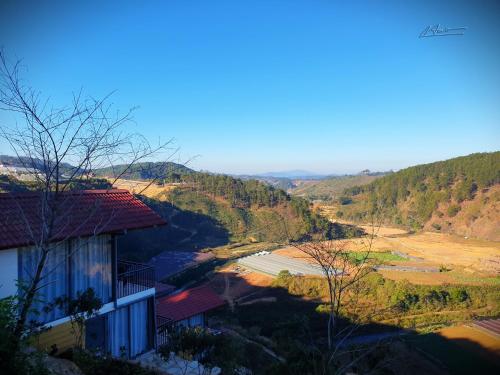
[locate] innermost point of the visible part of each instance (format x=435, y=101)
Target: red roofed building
x=82, y=254
x=81, y=213
x=187, y=308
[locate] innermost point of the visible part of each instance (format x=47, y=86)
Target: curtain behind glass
x=54, y=281
x=91, y=266
x=138, y=328
x=118, y=332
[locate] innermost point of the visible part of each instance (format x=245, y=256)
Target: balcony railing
x=163, y=329
x=133, y=278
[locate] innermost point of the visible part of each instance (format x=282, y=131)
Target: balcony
x=133, y=278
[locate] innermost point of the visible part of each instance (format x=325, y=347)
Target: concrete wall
x=8, y=272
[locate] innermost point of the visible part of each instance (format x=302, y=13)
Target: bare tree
x=62, y=147
x=344, y=263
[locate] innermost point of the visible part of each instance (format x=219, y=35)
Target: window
x=130, y=329
x=91, y=266
x=71, y=266
x=54, y=282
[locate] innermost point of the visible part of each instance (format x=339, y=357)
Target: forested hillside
x=145, y=171
x=331, y=188
x=458, y=195
x=206, y=210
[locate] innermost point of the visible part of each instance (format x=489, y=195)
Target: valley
x=242, y=239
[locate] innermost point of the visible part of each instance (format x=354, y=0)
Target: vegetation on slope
x=208, y=210
x=11, y=184
x=166, y=171
x=332, y=187
x=402, y=303
x=415, y=195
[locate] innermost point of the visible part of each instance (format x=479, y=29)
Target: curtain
x=129, y=326
x=118, y=322
x=138, y=328
x=91, y=266
x=54, y=281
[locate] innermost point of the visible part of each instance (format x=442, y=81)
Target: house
x=187, y=308
x=83, y=255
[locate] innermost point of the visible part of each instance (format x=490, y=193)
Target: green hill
x=459, y=195
x=145, y=171
x=207, y=210
x=330, y=188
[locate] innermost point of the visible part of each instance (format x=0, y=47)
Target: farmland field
x=462, y=261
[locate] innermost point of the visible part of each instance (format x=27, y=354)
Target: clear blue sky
x=254, y=86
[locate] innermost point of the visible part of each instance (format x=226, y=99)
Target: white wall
x=8, y=272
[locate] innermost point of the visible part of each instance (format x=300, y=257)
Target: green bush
x=283, y=279
x=453, y=210
x=14, y=356
x=92, y=364
x=224, y=351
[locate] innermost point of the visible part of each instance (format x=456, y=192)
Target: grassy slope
x=330, y=188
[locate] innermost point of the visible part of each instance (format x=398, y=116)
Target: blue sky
x=254, y=86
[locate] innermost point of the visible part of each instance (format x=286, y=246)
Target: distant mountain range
x=294, y=174
x=298, y=182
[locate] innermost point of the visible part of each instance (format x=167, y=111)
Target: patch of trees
x=238, y=192
x=169, y=171
x=401, y=298
x=255, y=194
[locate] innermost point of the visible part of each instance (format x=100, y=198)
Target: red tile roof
x=79, y=213
x=188, y=303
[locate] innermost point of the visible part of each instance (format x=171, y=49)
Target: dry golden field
x=469, y=333
x=136, y=187
x=464, y=261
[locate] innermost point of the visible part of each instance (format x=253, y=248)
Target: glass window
x=130, y=329
x=91, y=266
x=54, y=282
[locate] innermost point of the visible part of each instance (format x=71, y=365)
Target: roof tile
x=188, y=303
x=78, y=214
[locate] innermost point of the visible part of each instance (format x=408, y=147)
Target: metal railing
x=163, y=327
x=133, y=278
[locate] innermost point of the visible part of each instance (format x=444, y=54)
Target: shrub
x=14, y=358
x=345, y=200
x=453, y=210
x=436, y=226
x=91, y=364
x=211, y=350
x=283, y=279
